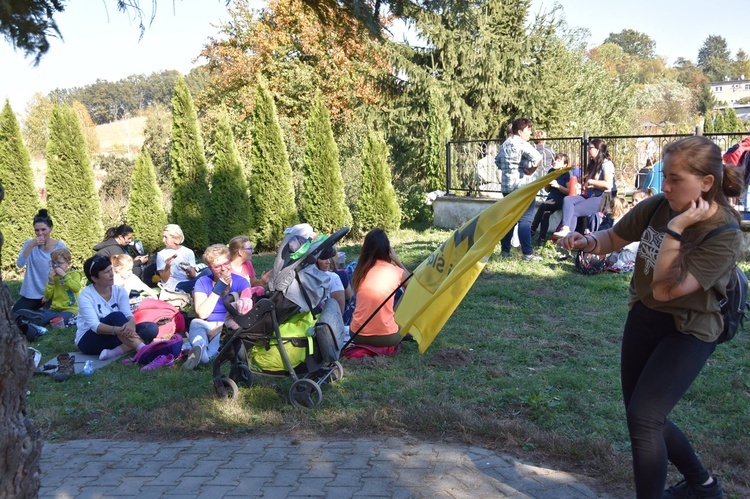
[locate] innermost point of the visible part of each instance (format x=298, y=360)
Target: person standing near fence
x=517, y=161
x=548, y=155
x=674, y=321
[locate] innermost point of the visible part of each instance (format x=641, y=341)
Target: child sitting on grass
x=122, y=265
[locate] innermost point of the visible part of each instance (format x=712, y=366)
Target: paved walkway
x=278, y=467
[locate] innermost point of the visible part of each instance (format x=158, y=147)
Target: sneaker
x=30, y=330
x=65, y=367
x=531, y=258
x=683, y=490
x=505, y=254
x=562, y=232
x=193, y=359
x=160, y=361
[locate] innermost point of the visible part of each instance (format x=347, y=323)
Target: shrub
x=21, y=202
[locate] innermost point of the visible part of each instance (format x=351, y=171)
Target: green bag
x=296, y=341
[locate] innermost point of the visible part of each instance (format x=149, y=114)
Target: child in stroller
x=286, y=333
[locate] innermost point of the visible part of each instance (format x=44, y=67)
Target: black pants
x=545, y=210
x=658, y=365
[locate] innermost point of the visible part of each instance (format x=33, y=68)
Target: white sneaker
x=562, y=232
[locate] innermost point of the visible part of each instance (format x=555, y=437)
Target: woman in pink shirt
x=374, y=279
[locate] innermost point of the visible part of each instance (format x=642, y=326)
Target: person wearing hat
x=337, y=291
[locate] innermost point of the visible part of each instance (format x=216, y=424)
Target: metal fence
x=471, y=170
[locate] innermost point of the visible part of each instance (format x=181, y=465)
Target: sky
x=102, y=43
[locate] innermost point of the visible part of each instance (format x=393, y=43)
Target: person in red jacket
x=735, y=153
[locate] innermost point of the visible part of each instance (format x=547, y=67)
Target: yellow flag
x=443, y=279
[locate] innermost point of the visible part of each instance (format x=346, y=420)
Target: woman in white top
x=598, y=179
x=106, y=326
x=176, y=263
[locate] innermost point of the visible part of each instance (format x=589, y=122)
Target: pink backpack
x=165, y=315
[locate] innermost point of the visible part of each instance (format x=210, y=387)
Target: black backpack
x=734, y=305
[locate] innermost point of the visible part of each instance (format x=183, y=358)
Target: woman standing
x=106, y=326
x=35, y=256
x=674, y=319
x=373, y=281
x=598, y=179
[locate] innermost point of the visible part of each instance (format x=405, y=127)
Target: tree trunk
x=20, y=442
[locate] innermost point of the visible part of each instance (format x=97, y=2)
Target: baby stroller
x=283, y=335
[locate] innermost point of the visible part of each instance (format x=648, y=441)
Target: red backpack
x=165, y=315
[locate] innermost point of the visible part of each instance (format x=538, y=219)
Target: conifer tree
x=438, y=133
x=146, y=205
x=322, y=200
x=708, y=122
x=377, y=205
x=189, y=171
x=732, y=122
x=720, y=125
x=72, y=200
x=271, y=188
x=229, y=204
x=21, y=197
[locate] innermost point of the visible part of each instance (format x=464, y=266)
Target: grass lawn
x=528, y=364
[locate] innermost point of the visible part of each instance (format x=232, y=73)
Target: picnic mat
x=81, y=359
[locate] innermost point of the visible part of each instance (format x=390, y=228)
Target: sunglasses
x=97, y=260
x=248, y=248
x=57, y=263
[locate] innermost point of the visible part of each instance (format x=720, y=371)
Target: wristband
x=675, y=235
x=113, y=331
x=219, y=287
x=596, y=243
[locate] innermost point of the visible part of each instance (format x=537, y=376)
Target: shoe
x=531, y=258
x=65, y=367
x=160, y=361
x=505, y=254
x=683, y=490
x=30, y=330
x=562, y=232
x=193, y=359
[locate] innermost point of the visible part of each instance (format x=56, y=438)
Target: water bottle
x=88, y=368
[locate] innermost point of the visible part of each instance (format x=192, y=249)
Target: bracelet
x=596, y=243
x=219, y=287
x=113, y=331
x=675, y=235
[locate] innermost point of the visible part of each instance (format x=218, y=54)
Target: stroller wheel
x=242, y=375
x=337, y=373
x=225, y=388
x=305, y=393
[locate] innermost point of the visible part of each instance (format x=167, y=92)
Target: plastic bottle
x=88, y=368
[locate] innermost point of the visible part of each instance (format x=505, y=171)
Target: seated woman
x=337, y=291
x=208, y=299
x=176, y=263
x=598, y=179
x=106, y=326
x=374, y=279
x=557, y=190
x=36, y=256
x=122, y=265
x=115, y=242
x=241, y=253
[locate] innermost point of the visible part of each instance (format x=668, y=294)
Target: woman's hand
x=128, y=328
x=266, y=276
x=573, y=241
x=698, y=210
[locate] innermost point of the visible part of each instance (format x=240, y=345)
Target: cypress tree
x=189, y=171
x=72, y=200
x=720, y=123
x=438, y=133
x=708, y=123
x=322, y=200
x=271, y=188
x=377, y=205
x=732, y=121
x=229, y=204
x=21, y=197
x=146, y=203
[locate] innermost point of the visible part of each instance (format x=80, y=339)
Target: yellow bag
x=270, y=359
